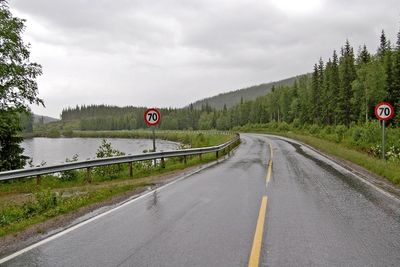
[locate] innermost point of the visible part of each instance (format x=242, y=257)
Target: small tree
x=106, y=150
x=18, y=87
x=11, y=153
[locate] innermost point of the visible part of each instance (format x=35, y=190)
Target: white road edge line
x=72, y=228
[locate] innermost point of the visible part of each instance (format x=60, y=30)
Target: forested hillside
x=341, y=91
x=234, y=97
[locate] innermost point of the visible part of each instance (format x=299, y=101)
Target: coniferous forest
x=341, y=90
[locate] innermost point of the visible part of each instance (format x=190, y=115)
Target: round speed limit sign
x=384, y=111
x=152, y=116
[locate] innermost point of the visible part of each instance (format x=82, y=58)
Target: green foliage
x=106, y=150
x=17, y=73
x=44, y=200
x=11, y=153
x=72, y=174
x=18, y=87
x=53, y=133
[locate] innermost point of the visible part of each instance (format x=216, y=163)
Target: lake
x=56, y=150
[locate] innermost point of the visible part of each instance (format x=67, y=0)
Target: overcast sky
x=169, y=53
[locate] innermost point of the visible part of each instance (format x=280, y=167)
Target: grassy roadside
x=388, y=169
x=24, y=203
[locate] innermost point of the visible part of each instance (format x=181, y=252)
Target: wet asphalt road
x=317, y=215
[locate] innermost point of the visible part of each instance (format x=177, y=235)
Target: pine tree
x=363, y=56
x=334, y=87
x=395, y=86
x=383, y=46
x=316, y=94
x=347, y=76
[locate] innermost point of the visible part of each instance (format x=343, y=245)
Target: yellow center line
x=271, y=150
x=269, y=172
x=257, y=242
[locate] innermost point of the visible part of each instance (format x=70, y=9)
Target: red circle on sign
x=381, y=111
x=152, y=116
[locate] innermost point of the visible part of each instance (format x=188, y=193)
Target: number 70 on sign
x=152, y=116
x=384, y=111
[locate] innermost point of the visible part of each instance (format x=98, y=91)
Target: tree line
x=341, y=91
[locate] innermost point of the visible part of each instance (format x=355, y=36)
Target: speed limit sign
x=152, y=116
x=384, y=111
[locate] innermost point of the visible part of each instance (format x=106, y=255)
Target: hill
x=46, y=119
x=234, y=97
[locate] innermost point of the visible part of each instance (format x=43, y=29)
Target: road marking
x=269, y=172
x=257, y=242
x=271, y=150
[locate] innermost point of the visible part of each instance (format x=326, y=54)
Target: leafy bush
x=314, y=129
x=283, y=126
x=296, y=123
x=70, y=175
x=44, y=201
x=340, y=131
x=106, y=150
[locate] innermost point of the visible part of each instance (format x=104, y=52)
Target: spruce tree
x=347, y=76
x=363, y=56
x=316, y=95
x=334, y=87
x=395, y=86
x=383, y=46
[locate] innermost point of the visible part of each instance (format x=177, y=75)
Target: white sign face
x=152, y=116
x=384, y=111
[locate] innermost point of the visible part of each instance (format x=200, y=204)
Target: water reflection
x=153, y=200
x=56, y=150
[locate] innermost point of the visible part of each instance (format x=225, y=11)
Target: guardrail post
x=130, y=170
x=162, y=163
x=216, y=154
x=89, y=175
x=200, y=157
x=38, y=179
x=184, y=160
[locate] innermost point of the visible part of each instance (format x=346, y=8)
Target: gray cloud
x=172, y=52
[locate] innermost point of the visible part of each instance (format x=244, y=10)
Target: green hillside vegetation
x=232, y=98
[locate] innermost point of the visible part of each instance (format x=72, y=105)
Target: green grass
x=14, y=218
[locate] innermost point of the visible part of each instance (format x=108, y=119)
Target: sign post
x=152, y=117
x=384, y=111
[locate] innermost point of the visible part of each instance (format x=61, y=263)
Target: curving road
x=305, y=211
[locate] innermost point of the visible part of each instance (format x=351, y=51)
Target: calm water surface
x=56, y=150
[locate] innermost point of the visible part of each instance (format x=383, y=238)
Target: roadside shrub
x=357, y=135
x=314, y=129
x=46, y=199
x=296, y=123
x=9, y=215
x=283, y=126
x=106, y=150
x=340, y=131
x=372, y=133
x=70, y=175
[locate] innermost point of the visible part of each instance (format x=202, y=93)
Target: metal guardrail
x=38, y=171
